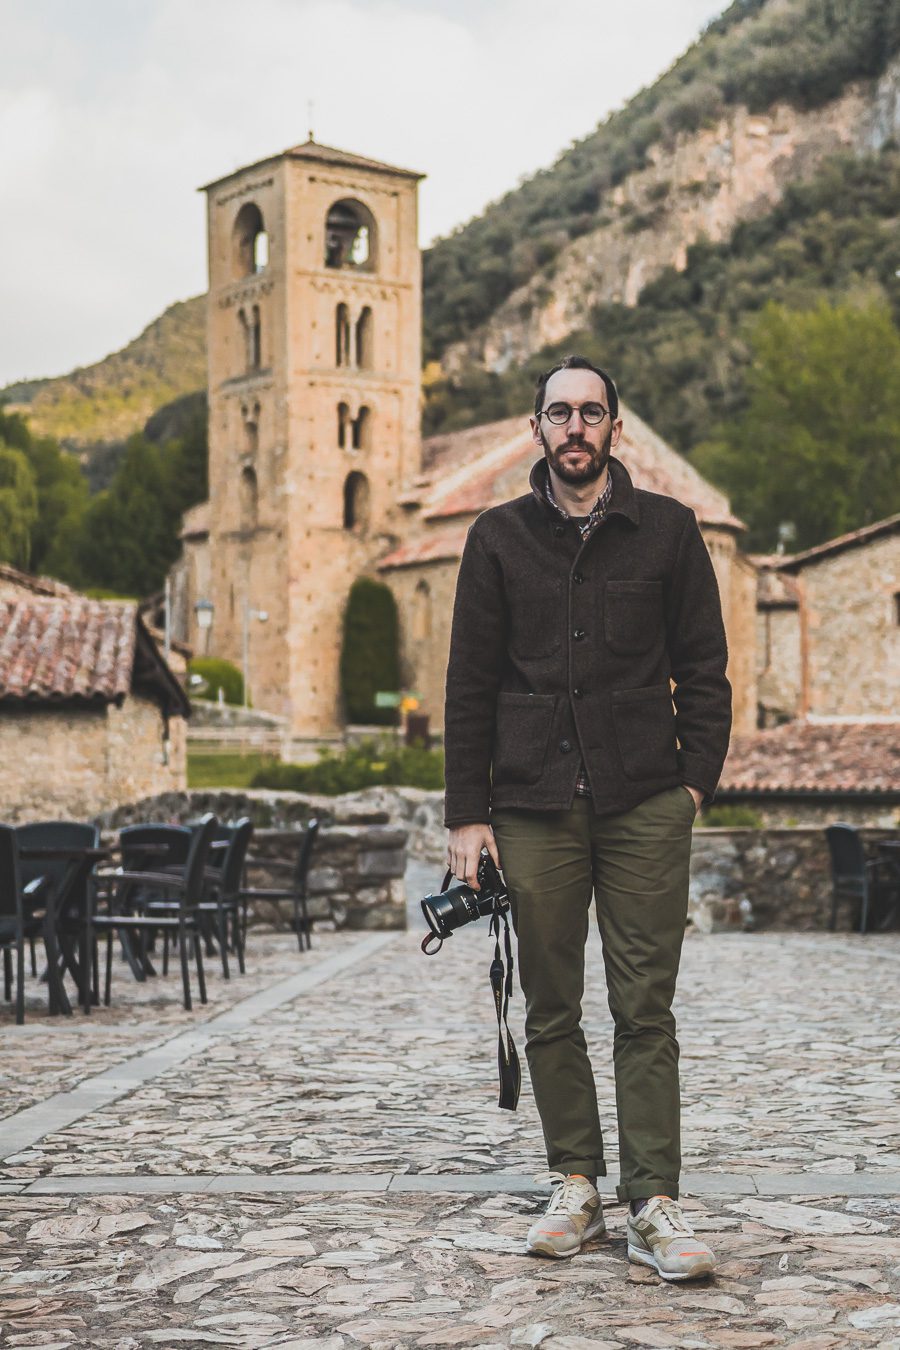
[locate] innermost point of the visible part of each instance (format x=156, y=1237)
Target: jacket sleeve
x=478, y=639
x=699, y=655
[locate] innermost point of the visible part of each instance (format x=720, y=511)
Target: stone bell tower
x=314, y=321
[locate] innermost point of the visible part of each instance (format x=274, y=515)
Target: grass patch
x=208, y=770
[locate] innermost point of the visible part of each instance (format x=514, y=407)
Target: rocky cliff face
x=702, y=188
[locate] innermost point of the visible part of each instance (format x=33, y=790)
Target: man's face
x=576, y=452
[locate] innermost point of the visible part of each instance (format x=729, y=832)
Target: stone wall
x=779, y=879
x=75, y=762
x=357, y=867
x=779, y=662
x=775, y=877
x=851, y=631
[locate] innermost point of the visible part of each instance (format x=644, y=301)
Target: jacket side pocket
x=645, y=731
x=524, y=723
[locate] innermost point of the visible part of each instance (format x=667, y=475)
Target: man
x=578, y=606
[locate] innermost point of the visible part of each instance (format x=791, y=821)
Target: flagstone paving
x=379, y=1075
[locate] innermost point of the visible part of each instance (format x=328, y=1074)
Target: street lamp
x=262, y=616
x=203, y=611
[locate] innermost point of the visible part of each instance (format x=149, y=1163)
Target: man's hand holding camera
x=464, y=851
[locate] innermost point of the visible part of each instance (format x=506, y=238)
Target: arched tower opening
x=249, y=499
x=342, y=335
x=365, y=356
x=422, y=617
x=351, y=236
x=362, y=430
x=250, y=243
x=356, y=502
x=343, y=426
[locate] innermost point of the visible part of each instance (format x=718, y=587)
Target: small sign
x=387, y=699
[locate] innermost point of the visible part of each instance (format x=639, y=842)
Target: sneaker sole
x=645, y=1258
x=544, y=1249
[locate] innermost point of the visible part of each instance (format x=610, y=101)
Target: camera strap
x=501, y=984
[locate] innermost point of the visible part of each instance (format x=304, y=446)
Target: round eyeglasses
x=592, y=414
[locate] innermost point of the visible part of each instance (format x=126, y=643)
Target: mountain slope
x=686, y=157
x=113, y=398
x=680, y=354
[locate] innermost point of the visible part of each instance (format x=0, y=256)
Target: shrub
x=370, y=653
x=219, y=674
x=371, y=763
x=732, y=818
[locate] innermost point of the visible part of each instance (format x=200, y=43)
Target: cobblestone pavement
x=316, y=1159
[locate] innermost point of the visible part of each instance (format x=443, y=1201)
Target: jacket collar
x=624, y=497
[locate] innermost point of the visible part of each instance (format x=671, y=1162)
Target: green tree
x=128, y=538
x=370, y=651
x=818, y=445
x=18, y=506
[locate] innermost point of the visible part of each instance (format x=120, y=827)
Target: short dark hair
x=578, y=363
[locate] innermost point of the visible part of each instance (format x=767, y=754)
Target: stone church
x=317, y=470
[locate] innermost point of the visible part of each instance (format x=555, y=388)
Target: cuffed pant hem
x=643, y=1190
x=582, y=1167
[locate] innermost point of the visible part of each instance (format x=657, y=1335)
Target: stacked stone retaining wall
x=775, y=877
x=356, y=872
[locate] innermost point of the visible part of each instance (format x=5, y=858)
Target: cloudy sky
x=113, y=111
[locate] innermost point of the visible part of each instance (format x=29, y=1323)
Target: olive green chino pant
x=636, y=864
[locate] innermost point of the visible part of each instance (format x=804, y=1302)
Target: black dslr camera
x=461, y=904
x=453, y=907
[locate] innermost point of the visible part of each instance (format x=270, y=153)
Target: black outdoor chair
x=853, y=876
x=296, y=891
x=221, y=901
x=64, y=889
x=182, y=920
x=149, y=848
x=19, y=921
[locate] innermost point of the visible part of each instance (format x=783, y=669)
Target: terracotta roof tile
x=483, y=466
x=796, y=561
x=66, y=649
x=14, y=581
x=436, y=546
x=327, y=154
x=811, y=756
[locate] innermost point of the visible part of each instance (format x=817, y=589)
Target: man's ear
x=536, y=433
x=616, y=433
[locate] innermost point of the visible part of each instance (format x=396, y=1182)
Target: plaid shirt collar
x=595, y=515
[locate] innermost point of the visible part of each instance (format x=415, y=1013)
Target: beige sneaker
x=574, y=1214
x=660, y=1236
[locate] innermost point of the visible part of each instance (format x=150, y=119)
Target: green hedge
x=371, y=763
x=731, y=818
x=219, y=674
x=370, y=652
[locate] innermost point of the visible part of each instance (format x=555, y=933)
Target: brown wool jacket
x=563, y=647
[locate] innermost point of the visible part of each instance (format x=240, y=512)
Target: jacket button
x=565, y=746
x=579, y=635
x=578, y=578
x=578, y=693
x=557, y=530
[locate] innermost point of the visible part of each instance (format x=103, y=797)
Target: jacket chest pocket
x=537, y=606
x=633, y=618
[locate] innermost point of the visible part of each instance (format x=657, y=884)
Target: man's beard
x=589, y=472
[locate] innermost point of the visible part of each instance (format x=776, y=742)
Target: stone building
x=828, y=678
x=829, y=629
x=467, y=471
x=90, y=713
x=317, y=471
